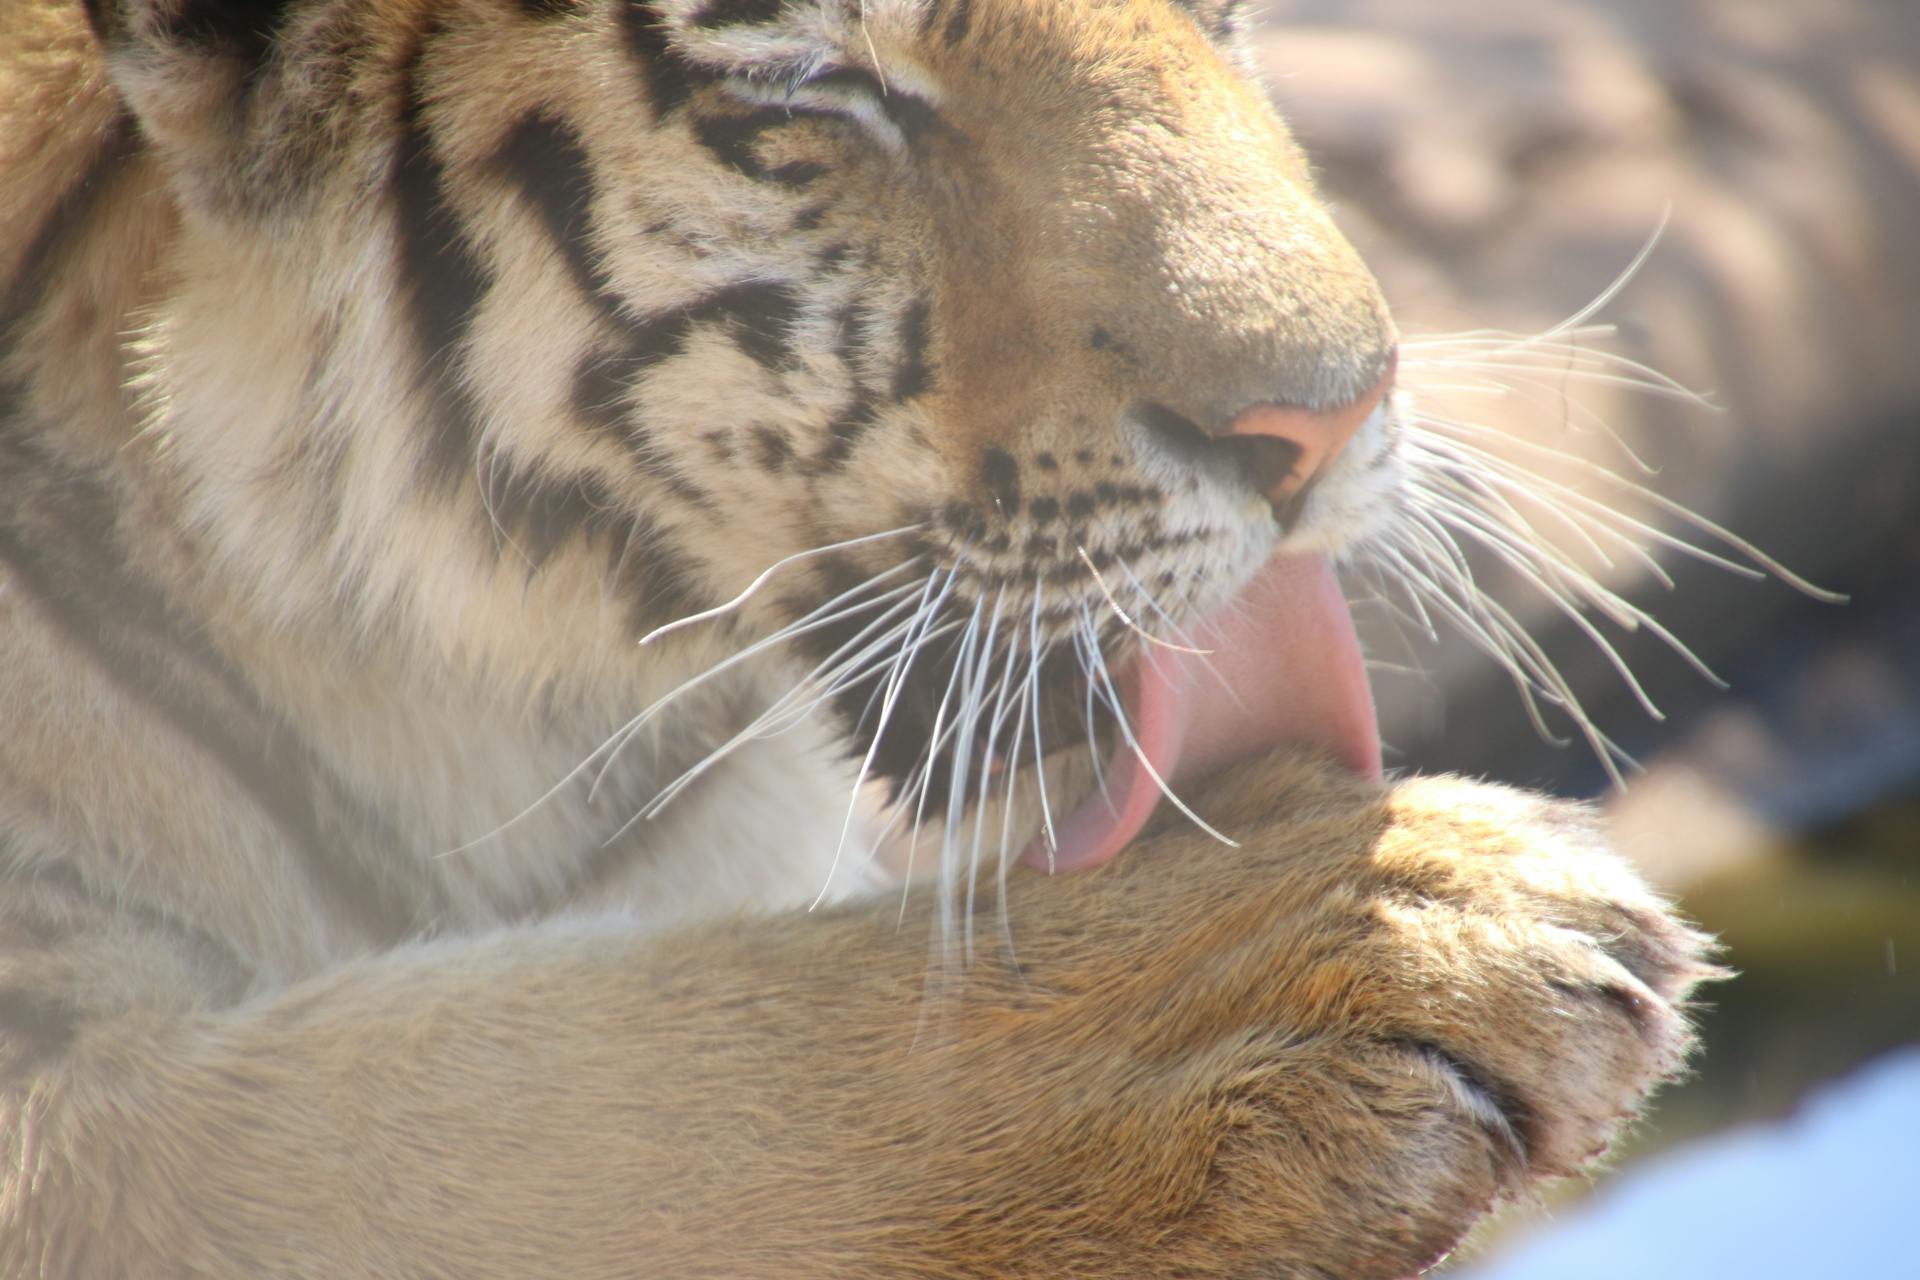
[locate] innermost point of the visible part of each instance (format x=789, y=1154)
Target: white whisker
x=794, y=706
x=897, y=673
x=1612, y=291
x=1470, y=613
x=974, y=709
x=1565, y=583
x=1039, y=753
x=956, y=776
x=1166, y=619
x=1495, y=631
x=921, y=780
x=1468, y=520
x=1119, y=710
x=1131, y=625
x=1762, y=564
x=807, y=624
x=1028, y=693
x=766, y=574
x=617, y=740
x=1086, y=641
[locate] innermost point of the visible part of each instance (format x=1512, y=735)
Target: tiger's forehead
x=791, y=40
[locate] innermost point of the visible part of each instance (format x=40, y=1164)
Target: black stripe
x=539, y=513
x=850, y=332
x=600, y=387
x=1001, y=476
x=602, y=397
x=912, y=114
x=772, y=448
x=267, y=771
x=83, y=515
x=669, y=77
x=843, y=433
x=760, y=315
x=658, y=337
x=122, y=624
x=542, y=10
x=652, y=573
x=102, y=16
x=245, y=29
x=727, y=13
x=731, y=139
x=855, y=79
x=959, y=21
x=212, y=953
x=720, y=444
x=913, y=375
x=446, y=282
x=964, y=521
x=798, y=173
x=915, y=116
x=549, y=162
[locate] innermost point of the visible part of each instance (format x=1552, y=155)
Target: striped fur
x=378, y=380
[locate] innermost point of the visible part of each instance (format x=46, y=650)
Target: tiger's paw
x=1324, y=1053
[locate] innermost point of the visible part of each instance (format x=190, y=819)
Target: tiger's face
x=1044, y=286
x=1012, y=273
x=1012, y=329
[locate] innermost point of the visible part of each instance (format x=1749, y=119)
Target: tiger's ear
x=1222, y=20
x=185, y=69
x=242, y=30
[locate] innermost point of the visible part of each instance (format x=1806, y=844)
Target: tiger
x=666, y=638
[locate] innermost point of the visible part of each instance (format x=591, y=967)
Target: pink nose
x=1306, y=441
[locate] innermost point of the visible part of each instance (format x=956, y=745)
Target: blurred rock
x=1500, y=164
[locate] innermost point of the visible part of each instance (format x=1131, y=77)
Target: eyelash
x=895, y=117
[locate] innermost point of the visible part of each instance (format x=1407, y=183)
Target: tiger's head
x=1048, y=288
x=1011, y=333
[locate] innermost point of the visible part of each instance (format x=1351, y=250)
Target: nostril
x=1180, y=435
x=1290, y=445
x=1267, y=462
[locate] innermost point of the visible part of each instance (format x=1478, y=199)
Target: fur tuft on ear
x=1222, y=20
x=235, y=29
x=191, y=73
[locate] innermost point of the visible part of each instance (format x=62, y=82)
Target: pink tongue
x=1286, y=668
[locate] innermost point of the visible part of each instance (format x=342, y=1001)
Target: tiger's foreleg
x=1323, y=1053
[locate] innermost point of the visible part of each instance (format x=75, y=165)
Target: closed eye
x=911, y=114
x=896, y=114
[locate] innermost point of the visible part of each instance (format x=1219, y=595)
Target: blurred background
x=1500, y=164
